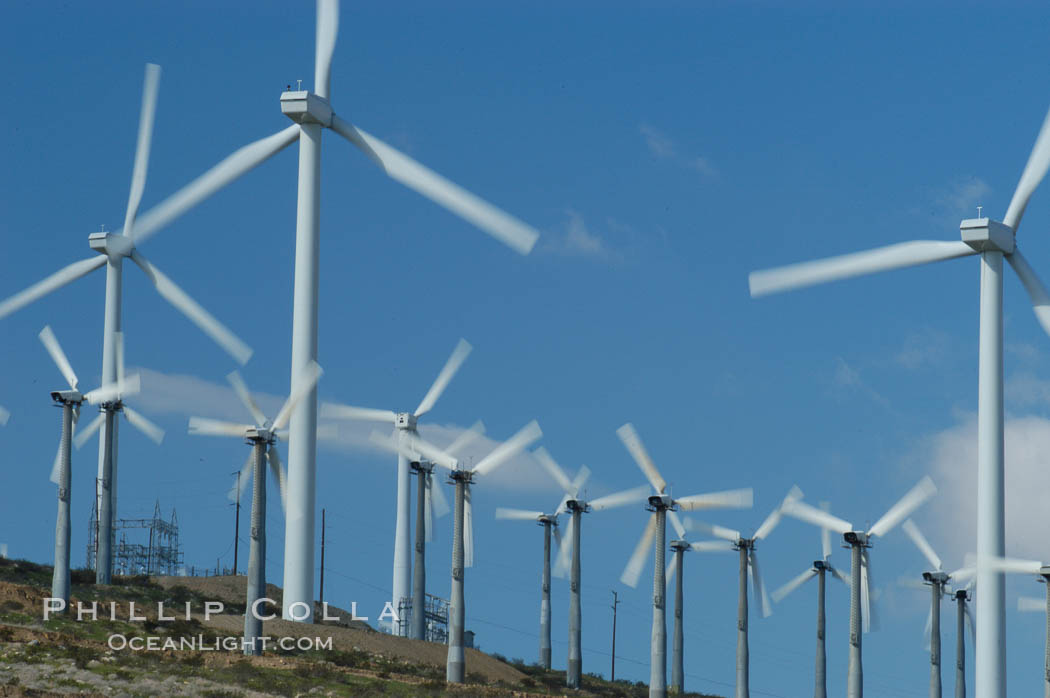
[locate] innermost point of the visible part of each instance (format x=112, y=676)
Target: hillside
x=62, y=656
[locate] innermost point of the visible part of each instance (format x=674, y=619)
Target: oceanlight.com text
x=154, y=643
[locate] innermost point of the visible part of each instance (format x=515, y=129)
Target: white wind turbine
x=861, y=618
x=262, y=435
x=663, y=507
x=405, y=424
x=819, y=570
x=549, y=521
x=733, y=540
x=463, y=529
x=312, y=112
x=70, y=401
x=112, y=249
x=568, y=562
x=110, y=400
x=993, y=241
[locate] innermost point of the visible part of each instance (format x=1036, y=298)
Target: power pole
x=237, y=523
x=322, y=554
x=612, y=672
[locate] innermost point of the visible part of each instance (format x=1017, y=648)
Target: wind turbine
x=110, y=399
x=819, y=570
x=430, y=502
x=463, y=530
x=405, y=424
x=663, y=506
x=262, y=436
x=860, y=564
x=733, y=540
x=963, y=616
x=70, y=401
x=549, y=521
x=112, y=249
x=993, y=241
x=568, y=561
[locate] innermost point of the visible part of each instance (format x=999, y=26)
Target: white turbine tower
x=993, y=241
x=1027, y=603
x=405, y=424
x=819, y=570
x=653, y=538
x=262, y=435
x=463, y=529
x=861, y=619
x=549, y=521
x=70, y=401
x=112, y=249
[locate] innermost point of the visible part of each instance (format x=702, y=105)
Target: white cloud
x=927, y=347
x=952, y=455
x=959, y=199
x=848, y=378
x=662, y=146
x=579, y=241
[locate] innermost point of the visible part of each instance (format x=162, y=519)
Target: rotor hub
x=111, y=244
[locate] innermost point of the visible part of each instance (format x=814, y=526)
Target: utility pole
x=612, y=671
x=322, y=554
x=237, y=523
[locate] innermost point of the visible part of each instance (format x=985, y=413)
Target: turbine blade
x=431, y=452
x=633, y=570
x=898, y=256
x=4, y=416
x=391, y=443
x=780, y=593
x=428, y=507
x=150, y=86
x=1010, y=565
x=580, y=480
x=1034, y=171
x=710, y=530
x=713, y=546
x=555, y=470
x=561, y=565
x=303, y=384
x=466, y=437
x=241, y=388
x=1031, y=603
x=330, y=410
x=151, y=430
x=870, y=622
x=327, y=29
x=634, y=446
x=761, y=597
x=60, y=278
x=922, y=544
x=274, y=459
x=963, y=574
x=676, y=523
x=50, y=341
x=927, y=632
x=448, y=371
x=729, y=499
x=825, y=535
x=439, y=503
x=509, y=448
x=202, y=426
x=87, y=432
x=243, y=478
x=776, y=515
x=844, y=578
x=517, y=514
x=904, y=507
x=468, y=529
x=505, y=228
x=669, y=570
x=810, y=514
x=618, y=499
x=196, y=314
x=1034, y=286
x=236, y=164
x=911, y=583
x=56, y=467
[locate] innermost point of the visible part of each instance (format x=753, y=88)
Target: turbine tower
x=405, y=424
x=663, y=506
x=861, y=619
x=963, y=616
x=112, y=249
x=819, y=570
x=993, y=241
x=70, y=401
x=463, y=529
x=1027, y=603
x=549, y=521
x=262, y=436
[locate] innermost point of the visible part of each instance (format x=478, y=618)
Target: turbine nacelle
x=680, y=545
x=545, y=519
x=63, y=397
x=744, y=544
x=305, y=107
x=936, y=577
x=858, y=538
x=260, y=435
x=821, y=565
x=577, y=505
x=661, y=501
x=984, y=235
x=962, y=595
x=111, y=244
x=405, y=420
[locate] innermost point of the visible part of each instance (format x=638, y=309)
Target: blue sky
x=664, y=152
